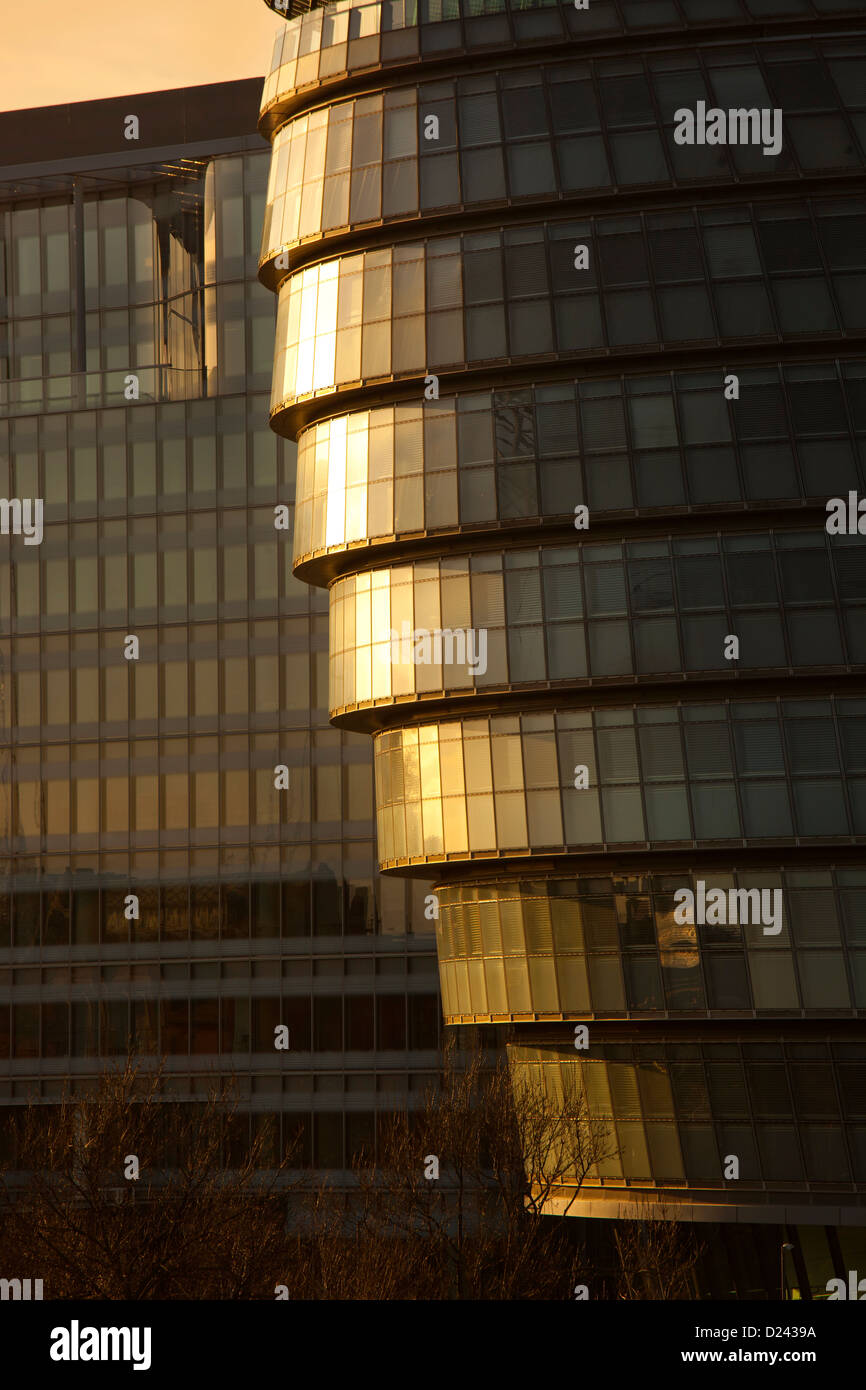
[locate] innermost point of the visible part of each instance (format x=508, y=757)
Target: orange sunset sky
x=106, y=48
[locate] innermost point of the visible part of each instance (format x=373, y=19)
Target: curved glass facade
x=329, y=45
x=598, y=612
x=648, y=444
x=497, y=297
x=791, y=1113
x=601, y=947
x=749, y=772
x=541, y=133
x=573, y=384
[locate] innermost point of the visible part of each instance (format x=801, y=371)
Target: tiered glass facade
x=571, y=395
x=155, y=777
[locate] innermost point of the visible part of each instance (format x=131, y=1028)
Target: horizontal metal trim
x=779, y=854
x=610, y=691
x=289, y=417
x=377, y=77
x=10, y=174
x=696, y=1208
x=650, y=198
x=321, y=568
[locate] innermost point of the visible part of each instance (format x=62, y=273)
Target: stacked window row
x=230, y=565
x=794, y=599
x=130, y=244
x=238, y=329
x=345, y=37
x=36, y=353
x=327, y=854
x=99, y=390
x=320, y=1139
x=126, y=462
x=317, y=901
x=570, y=949
x=309, y=972
x=175, y=791
x=526, y=134
x=145, y=245
x=678, y=1121
x=642, y=442
x=178, y=1027
x=779, y=272
x=234, y=677
x=749, y=771
x=158, y=298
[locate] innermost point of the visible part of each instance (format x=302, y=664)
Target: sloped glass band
x=591, y=946
x=606, y=612
x=511, y=137
x=670, y=1112
x=755, y=773
x=723, y=276
x=636, y=444
x=328, y=45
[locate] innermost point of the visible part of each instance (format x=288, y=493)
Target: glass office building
x=572, y=382
x=136, y=349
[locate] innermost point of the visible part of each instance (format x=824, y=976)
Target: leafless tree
x=454, y=1205
x=190, y=1227
x=657, y=1255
